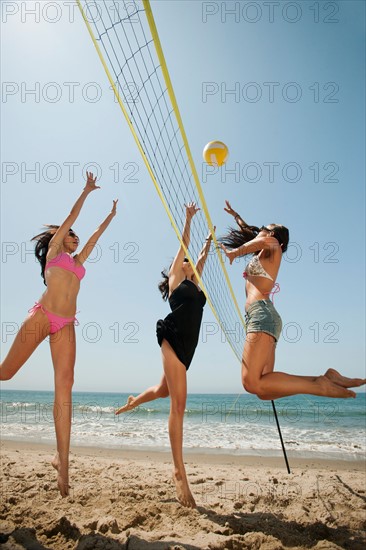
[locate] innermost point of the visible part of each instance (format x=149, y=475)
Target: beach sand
x=126, y=500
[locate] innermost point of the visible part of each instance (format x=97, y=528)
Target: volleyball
x=215, y=153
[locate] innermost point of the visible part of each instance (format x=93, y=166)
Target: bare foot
x=330, y=389
x=128, y=407
x=343, y=381
x=184, y=494
x=62, y=476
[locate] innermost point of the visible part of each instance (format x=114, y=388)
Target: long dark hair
x=282, y=234
x=163, y=286
x=236, y=237
x=42, y=244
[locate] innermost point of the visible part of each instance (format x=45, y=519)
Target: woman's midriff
x=253, y=294
x=61, y=294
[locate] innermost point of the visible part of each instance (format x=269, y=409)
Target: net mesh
x=122, y=33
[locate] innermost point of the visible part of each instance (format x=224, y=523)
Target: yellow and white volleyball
x=215, y=153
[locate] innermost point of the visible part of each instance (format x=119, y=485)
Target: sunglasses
x=72, y=234
x=264, y=228
x=185, y=260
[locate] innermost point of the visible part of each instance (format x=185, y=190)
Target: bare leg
x=63, y=351
x=32, y=332
x=270, y=360
x=258, y=354
x=176, y=377
x=269, y=367
x=152, y=393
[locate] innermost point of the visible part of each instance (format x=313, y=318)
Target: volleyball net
x=127, y=42
x=125, y=37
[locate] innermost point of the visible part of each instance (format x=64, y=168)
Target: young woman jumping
x=54, y=316
x=178, y=335
x=263, y=323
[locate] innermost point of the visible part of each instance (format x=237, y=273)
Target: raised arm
x=239, y=220
x=55, y=245
x=259, y=243
x=89, y=246
x=204, y=253
x=191, y=210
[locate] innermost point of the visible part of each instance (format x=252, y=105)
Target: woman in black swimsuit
x=178, y=337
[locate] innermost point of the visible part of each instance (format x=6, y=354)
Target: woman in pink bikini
x=263, y=323
x=54, y=316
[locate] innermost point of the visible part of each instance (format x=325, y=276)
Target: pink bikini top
x=65, y=261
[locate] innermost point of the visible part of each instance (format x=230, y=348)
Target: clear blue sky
x=294, y=123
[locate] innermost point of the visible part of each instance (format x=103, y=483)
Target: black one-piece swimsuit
x=182, y=326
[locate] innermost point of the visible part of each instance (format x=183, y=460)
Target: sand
x=126, y=500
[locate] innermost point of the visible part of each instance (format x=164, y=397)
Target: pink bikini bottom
x=56, y=322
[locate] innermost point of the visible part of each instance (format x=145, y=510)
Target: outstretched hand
x=191, y=210
x=210, y=235
x=90, y=182
x=114, y=208
x=229, y=210
x=228, y=253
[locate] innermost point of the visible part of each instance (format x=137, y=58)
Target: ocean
x=214, y=423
